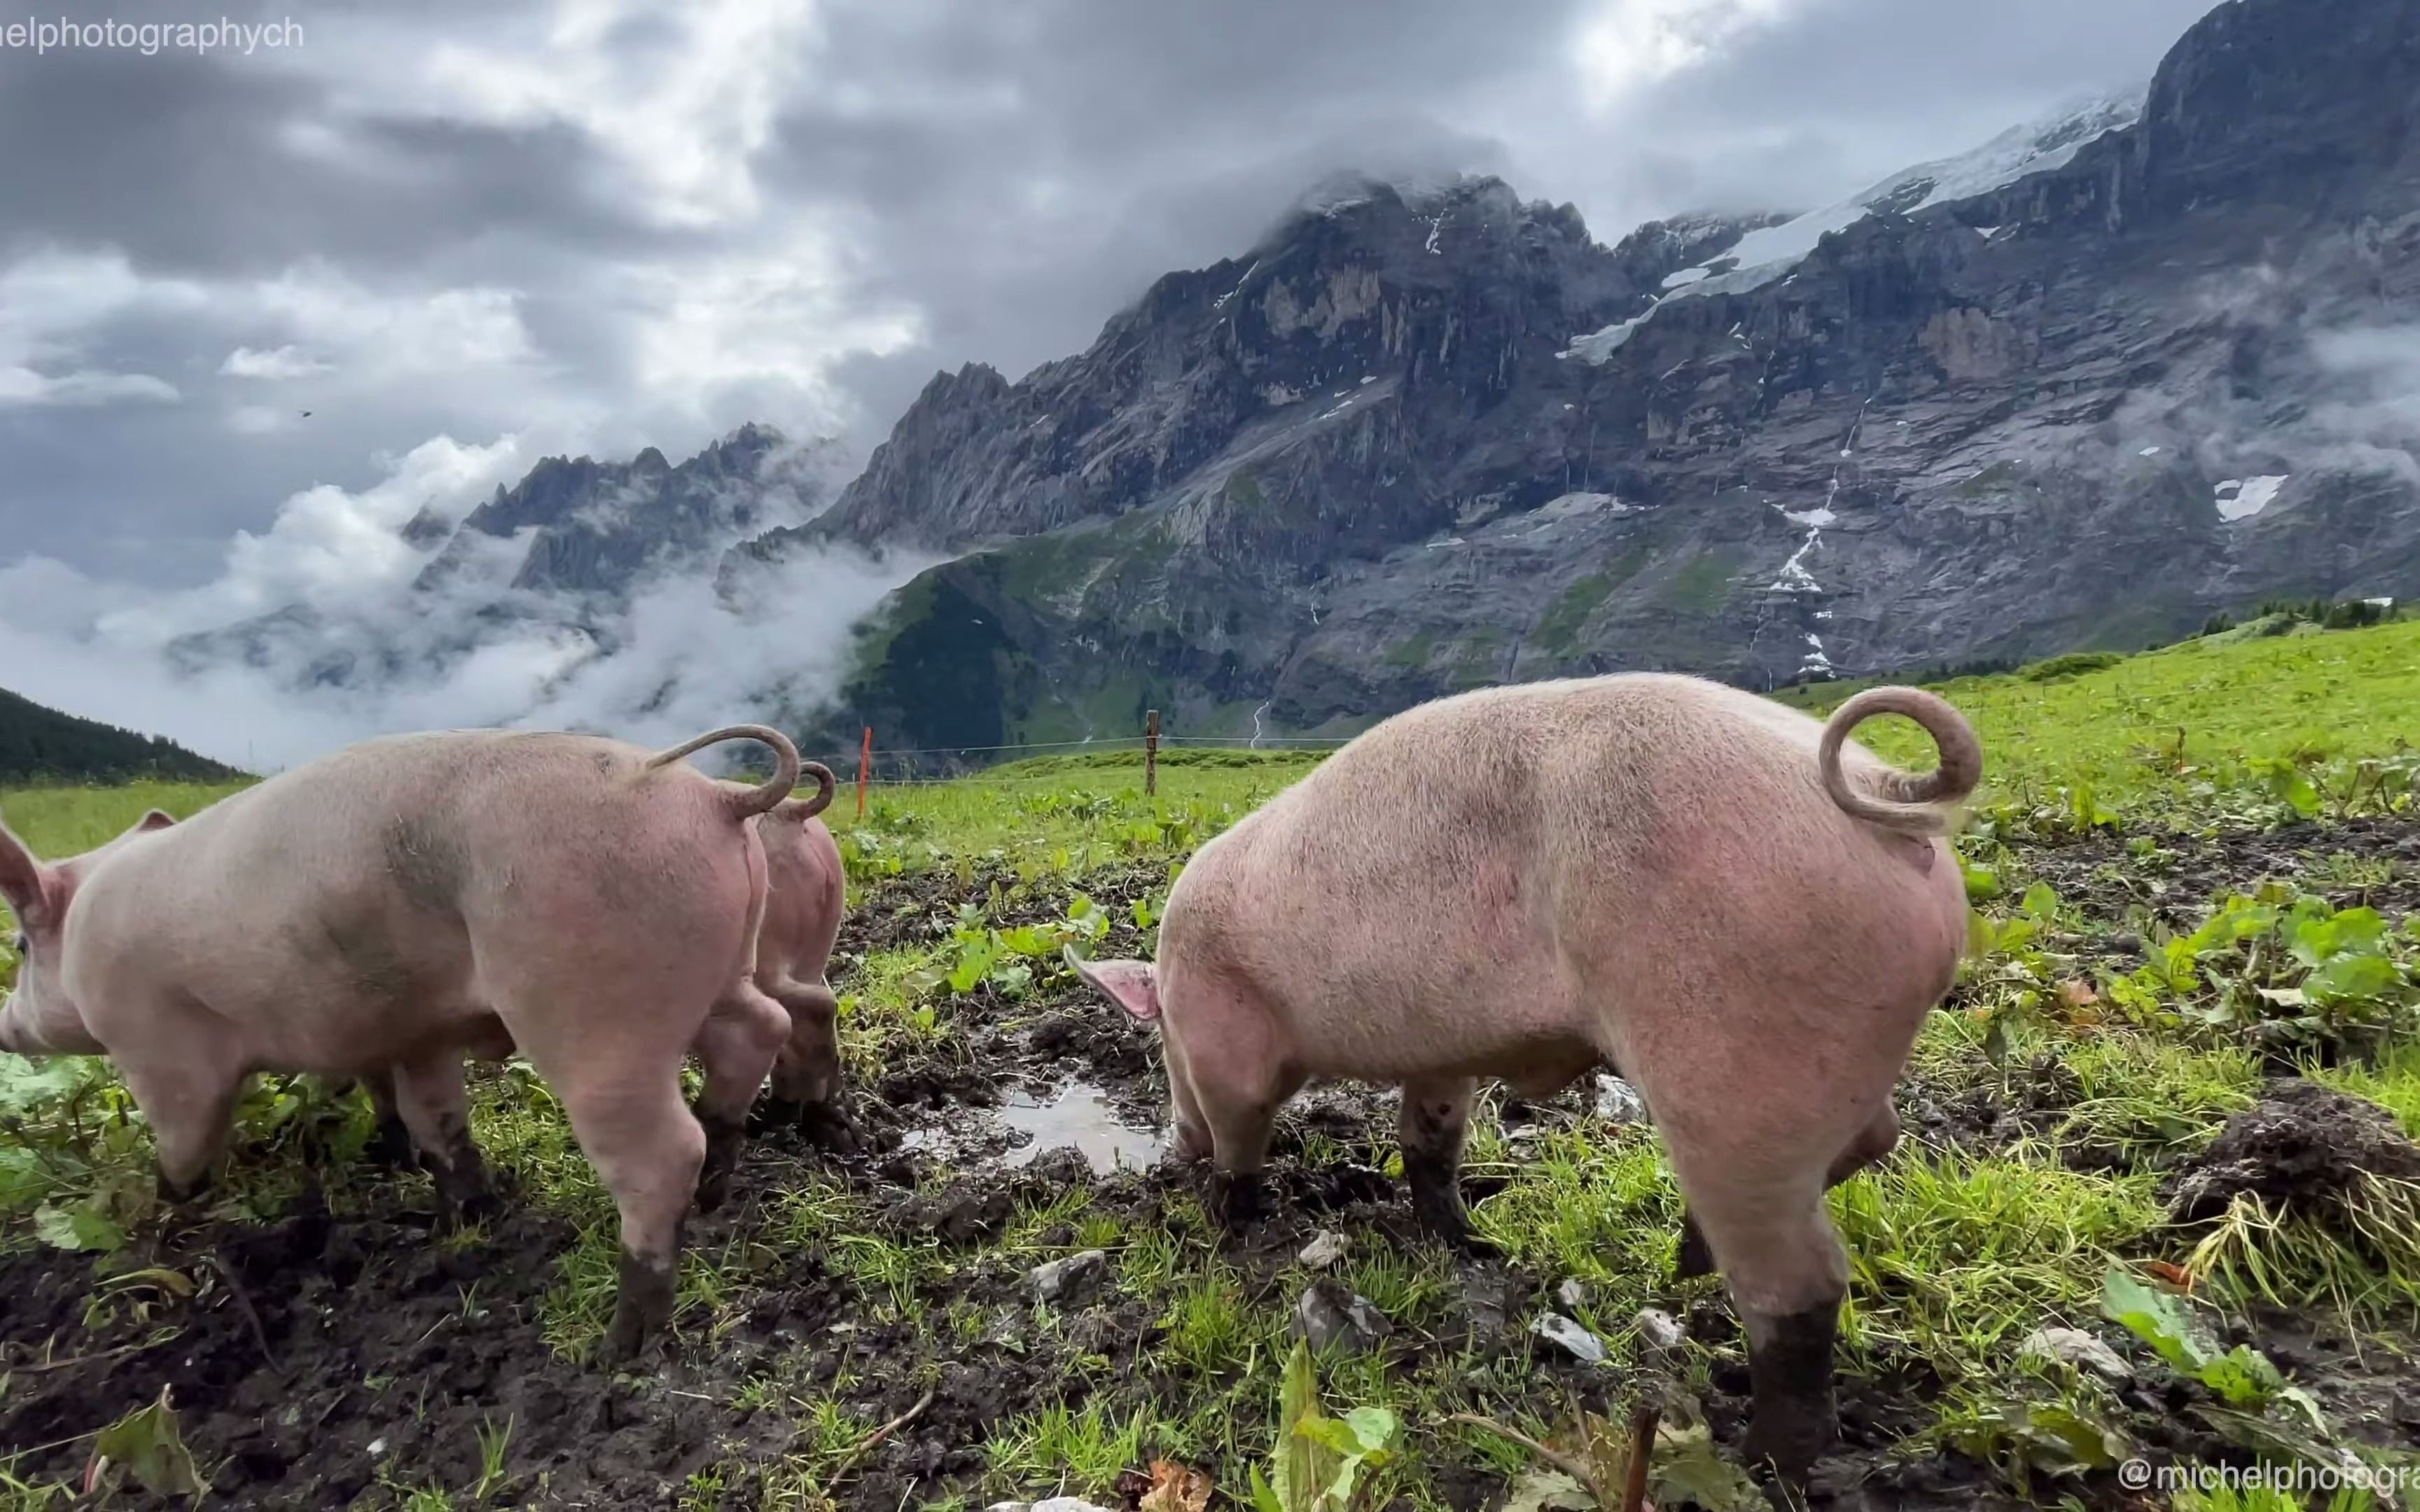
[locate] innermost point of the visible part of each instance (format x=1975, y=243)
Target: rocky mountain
x=42, y=745
x=2152, y=356
x=558, y=555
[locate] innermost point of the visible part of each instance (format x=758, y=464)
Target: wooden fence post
x=864, y=770
x=1151, y=752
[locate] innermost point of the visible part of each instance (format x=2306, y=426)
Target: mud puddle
x=1075, y=1115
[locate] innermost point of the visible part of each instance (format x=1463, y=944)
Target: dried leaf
x=1547, y=1490
x=1175, y=1488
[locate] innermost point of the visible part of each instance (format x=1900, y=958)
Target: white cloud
x=279, y=363
x=52, y=307
x=682, y=118
x=1631, y=44
x=23, y=386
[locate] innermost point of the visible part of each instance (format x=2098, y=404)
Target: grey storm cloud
x=977, y=182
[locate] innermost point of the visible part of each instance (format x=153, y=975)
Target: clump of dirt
x=2304, y=1147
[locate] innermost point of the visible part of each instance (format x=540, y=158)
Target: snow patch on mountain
x=1761, y=257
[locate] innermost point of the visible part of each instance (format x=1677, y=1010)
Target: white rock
x=1067, y=1504
x=1055, y=1279
x=2073, y=1346
x=1324, y=1249
x=1618, y=1102
x=1569, y=1337
x=1571, y=1294
x=1658, y=1329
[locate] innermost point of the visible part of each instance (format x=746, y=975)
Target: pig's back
x=335, y=904
x=1470, y=873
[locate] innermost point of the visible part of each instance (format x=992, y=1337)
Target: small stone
x=1068, y=1275
x=1658, y=1329
x=1066, y=1503
x=1324, y=1249
x=1569, y=1337
x=1572, y=1295
x=377, y=1446
x=1328, y=1318
x=2073, y=1346
x=1618, y=1102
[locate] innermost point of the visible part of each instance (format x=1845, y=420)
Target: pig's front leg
x=390, y=1144
x=1238, y=1100
x=807, y=1092
x=429, y=1095
x=186, y=1078
x=1435, y=1117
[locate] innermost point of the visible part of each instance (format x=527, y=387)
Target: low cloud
x=274, y=365
x=323, y=629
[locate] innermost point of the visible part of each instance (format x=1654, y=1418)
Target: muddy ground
x=321, y=1349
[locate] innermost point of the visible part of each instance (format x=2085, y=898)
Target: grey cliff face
x=1414, y=444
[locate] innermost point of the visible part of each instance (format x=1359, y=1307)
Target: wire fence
x=874, y=765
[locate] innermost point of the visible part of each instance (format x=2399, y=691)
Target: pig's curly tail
x=746, y=803
x=1912, y=803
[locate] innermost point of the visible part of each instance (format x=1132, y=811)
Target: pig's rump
x=1514, y=882
x=415, y=890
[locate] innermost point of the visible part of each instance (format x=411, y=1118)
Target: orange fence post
x=1151, y=752
x=864, y=770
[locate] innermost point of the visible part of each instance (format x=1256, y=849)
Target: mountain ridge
x=1372, y=467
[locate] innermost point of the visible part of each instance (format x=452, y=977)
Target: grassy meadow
x=2192, y=872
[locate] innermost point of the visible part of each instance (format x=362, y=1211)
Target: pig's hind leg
x=737, y=1046
x=1873, y=1142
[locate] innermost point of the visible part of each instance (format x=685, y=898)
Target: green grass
x=1958, y=1248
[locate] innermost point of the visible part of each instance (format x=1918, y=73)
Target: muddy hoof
x=390, y=1147
x=642, y=1310
x=714, y=1181
x=1789, y=1445
x=1694, y=1259
x=1236, y=1200
x=830, y=1125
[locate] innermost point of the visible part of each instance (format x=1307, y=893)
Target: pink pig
x=1743, y=912
x=803, y=904
x=412, y=899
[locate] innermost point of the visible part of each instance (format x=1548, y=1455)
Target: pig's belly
x=1520, y=1021
x=338, y=1023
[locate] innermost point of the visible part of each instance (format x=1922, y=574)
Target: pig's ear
x=25, y=881
x=156, y=819
x=1132, y=984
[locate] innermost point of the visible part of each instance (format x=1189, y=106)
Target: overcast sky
x=600, y=224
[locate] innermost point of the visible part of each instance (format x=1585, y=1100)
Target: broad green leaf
x=2243, y=1377
x=1688, y=1468
x=2040, y=901
x=1375, y=1426
x=81, y=1227
x=2158, y=1318
x=146, y=1442
x=2354, y=978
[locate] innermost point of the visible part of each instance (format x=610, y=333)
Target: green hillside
x=42, y=745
